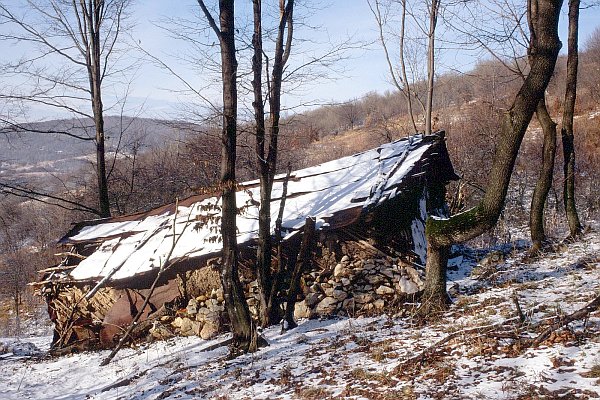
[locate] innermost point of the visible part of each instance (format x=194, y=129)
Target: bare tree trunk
x=244, y=333
x=104, y=203
x=544, y=46
x=567, y=122
x=237, y=308
x=84, y=34
x=263, y=256
x=544, y=182
x=433, y=15
x=267, y=158
x=103, y=199
x=435, y=281
x=277, y=280
x=92, y=15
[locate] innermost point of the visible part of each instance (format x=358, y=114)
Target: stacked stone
x=252, y=297
x=357, y=285
x=202, y=316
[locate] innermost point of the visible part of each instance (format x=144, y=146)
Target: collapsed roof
x=335, y=193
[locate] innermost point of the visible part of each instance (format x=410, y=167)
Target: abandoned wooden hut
x=369, y=211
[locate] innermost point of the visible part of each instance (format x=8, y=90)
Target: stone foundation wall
x=356, y=285
x=363, y=281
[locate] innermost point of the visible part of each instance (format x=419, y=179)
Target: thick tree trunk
x=242, y=328
x=263, y=256
x=544, y=182
x=567, y=122
x=544, y=47
x=435, y=296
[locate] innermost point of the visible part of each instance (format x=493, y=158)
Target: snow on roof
x=134, y=246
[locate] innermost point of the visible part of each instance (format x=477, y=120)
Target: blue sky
x=365, y=70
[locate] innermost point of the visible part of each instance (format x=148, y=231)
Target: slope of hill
x=478, y=349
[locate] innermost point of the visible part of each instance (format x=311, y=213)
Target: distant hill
x=35, y=155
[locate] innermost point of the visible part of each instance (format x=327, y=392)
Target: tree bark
x=90, y=31
x=435, y=278
x=242, y=328
x=544, y=182
x=567, y=122
x=441, y=233
x=263, y=256
x=433, y=15
x=237, y=308
x=267, y=158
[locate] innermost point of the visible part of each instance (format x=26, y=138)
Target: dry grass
x=407, y=393
x=285, y=376
x=362, y=375
x=594, y=372
x=313, y=393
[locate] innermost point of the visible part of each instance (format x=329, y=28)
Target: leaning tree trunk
x=567, y=122
x=544, y=182
x=442, y=233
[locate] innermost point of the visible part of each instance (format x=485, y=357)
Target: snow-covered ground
x=367, y=357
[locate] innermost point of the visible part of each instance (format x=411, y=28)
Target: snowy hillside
x=477, y=350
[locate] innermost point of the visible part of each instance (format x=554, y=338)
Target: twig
x=579, y=314
x=515, y=299
x=70, y=254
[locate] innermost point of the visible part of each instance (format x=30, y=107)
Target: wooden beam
x=70, y=254
x=57, y=268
